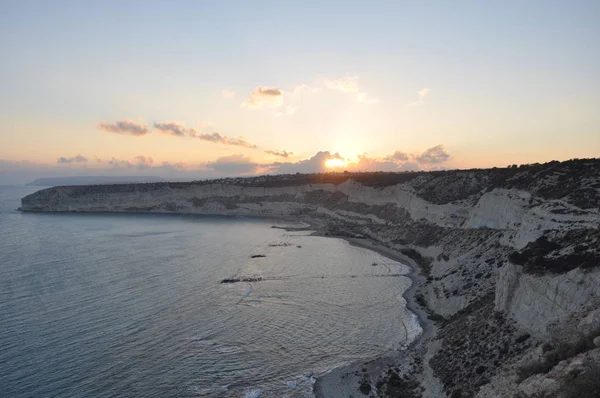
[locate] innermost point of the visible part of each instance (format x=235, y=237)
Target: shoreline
x=345, y=380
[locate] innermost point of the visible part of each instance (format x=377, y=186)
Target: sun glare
x=335, y=162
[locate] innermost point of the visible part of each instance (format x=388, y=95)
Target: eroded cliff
x=507, y=252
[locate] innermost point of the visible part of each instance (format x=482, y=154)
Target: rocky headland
x=509, y=260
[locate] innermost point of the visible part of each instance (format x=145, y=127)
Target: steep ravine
x=511, y=256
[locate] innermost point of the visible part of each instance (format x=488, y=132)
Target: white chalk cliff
x=464, y=225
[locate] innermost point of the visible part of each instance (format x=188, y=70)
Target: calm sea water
x=106, y=305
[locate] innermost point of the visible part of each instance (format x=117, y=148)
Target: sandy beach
x=351, y=380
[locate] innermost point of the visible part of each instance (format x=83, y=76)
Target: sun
x=335, y=163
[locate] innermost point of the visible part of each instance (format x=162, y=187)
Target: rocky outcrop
x=535, y=301
x=521, y=242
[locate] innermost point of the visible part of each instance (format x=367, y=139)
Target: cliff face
x=527, y=236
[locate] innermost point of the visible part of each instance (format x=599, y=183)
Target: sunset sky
x=201, y=89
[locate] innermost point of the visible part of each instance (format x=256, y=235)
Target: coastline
x=346, y=380
x=490, y=239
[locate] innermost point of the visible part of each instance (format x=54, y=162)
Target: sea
x=132, y=305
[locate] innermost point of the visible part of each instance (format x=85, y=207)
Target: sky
x=204, y=89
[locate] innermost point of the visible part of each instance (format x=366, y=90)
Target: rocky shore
x=508, y=290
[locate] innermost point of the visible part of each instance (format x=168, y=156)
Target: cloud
x=173, y=166
x=233, y=164
x=347, y=84
x=227, y=94
x=365, y=163
x=239, y=141
x=120, y=164
x=315, y=164
x=397, y=156
x=434, y=155
x=125, y=127
x=263, y=97
x=177, y=129
x=429, y=159
x=143, y=162
x=171, y=128
x=433, y=158
x=421, y=101
x=139, y=163
x=74, y=159
x=221, y=139
x=283, y=154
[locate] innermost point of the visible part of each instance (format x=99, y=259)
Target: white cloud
x=347, y=84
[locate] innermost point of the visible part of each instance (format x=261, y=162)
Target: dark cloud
x=315, y=164
x=221, y=139
x=120, y=164
x=265, y=97
x=171, y=128
x=179, y=130
x=74, y=159
x=240, y=141
x=401, y=161
x=434, y=155
x=125, y=127
x=233, y=164
x=143, y=162
x=147, y=160
x=139, y=163
x=211, y=137
x=398, y=161
x=397, y=156
x=366, y=163
x=269, y=91
x=282, y=154
x=178, y=166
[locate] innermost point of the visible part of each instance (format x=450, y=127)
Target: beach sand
x=346, y=380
